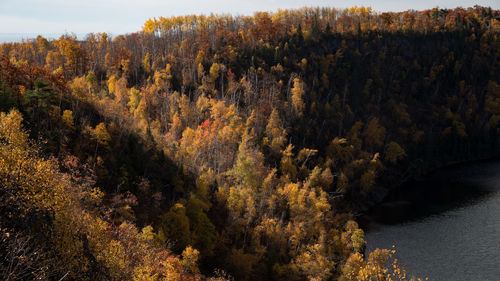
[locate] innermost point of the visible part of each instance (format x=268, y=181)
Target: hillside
x=234, y=146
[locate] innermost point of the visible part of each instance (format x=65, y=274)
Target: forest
x=220, y=147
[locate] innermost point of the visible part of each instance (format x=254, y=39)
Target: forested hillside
x=234, y=147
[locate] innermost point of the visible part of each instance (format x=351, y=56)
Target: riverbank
x=410, y=200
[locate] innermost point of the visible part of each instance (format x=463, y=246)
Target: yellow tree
x=297, y=92
x=134, y=99
x=287, y=166
x=314, y=263
x=101, y=136
x=189, y=260
x=67, y=119
x=276, y=135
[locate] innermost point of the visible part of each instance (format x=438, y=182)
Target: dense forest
x=234, y=147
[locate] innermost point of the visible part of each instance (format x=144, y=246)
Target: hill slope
x=247, y=144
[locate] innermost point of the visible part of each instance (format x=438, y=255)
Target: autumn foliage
x=237, y=147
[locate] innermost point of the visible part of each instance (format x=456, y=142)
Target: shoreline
x=404, y=197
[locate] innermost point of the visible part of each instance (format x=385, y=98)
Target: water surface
x=452, y=231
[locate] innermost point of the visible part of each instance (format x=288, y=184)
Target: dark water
x=451, y=231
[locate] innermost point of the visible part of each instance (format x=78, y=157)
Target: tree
x=11, y=129
x=287, y=165
x=367, y=179
x=374, y=134
x=394, y=153
x=101, y=135
x=121, y=92
x=134, y=99
x=112, y=84
x=276, y=135
x=242, y=263
x=189, y=260
x=358, y=241
x=23, y=259
x=202, y=230
x=91, y=81
x=174, y=227
x=67, y=119
x=214, y=71
x=297, y=93
x=146, y=63
x=314, y=264
x=38, y=101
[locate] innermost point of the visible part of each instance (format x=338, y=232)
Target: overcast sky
x=125, y=16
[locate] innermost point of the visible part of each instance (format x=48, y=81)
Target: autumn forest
x=225, y=147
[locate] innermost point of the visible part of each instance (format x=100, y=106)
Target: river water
x=446, y=227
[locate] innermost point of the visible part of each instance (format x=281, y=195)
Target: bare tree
x=21, y=259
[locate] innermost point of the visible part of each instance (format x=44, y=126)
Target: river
x=446, y=227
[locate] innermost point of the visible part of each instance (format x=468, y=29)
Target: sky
x=126, y=16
